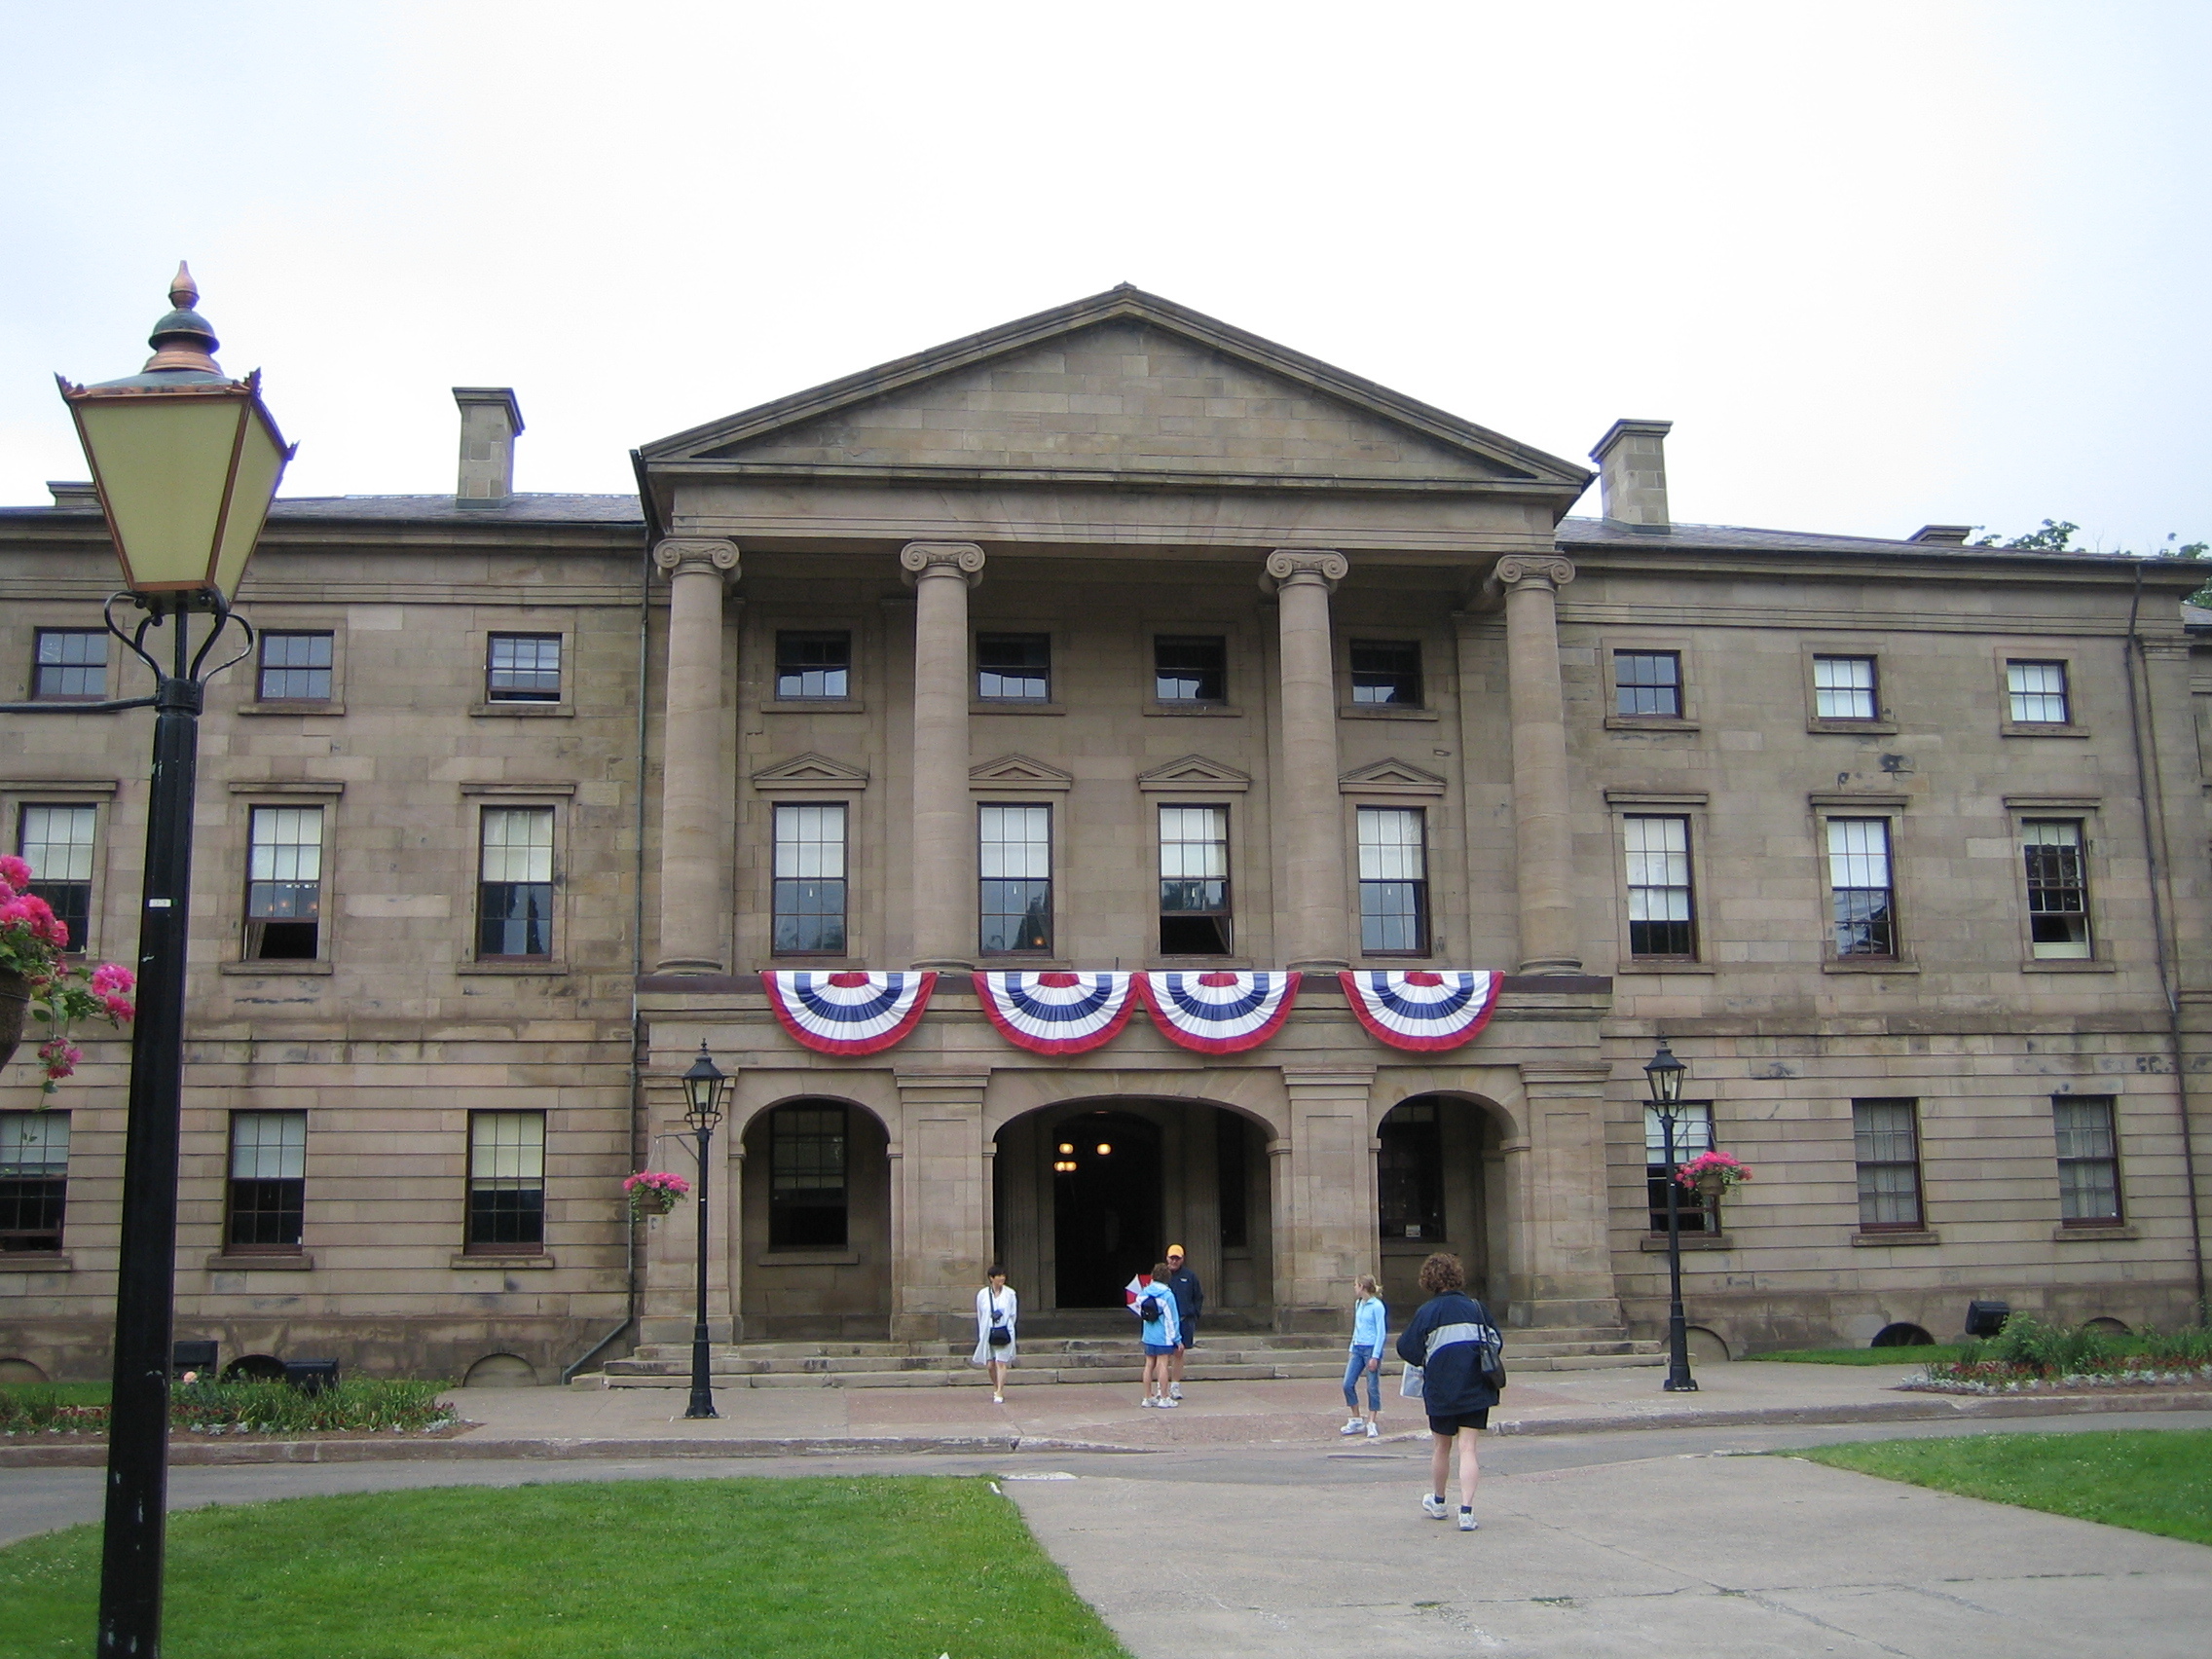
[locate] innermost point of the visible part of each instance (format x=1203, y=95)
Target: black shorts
x=1188, y=1336
x=1465, y=1419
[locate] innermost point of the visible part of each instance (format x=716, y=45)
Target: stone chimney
x=1942, y=534
x=490, y=422
x=1632, y=475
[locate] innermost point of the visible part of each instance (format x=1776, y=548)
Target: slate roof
x=1597, y=532
x=549, y=507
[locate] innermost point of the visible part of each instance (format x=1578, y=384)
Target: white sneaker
x=1466, y=1519
x=1374, y=1432
x=1150, y=1401
x=1170, y=1403
x=1434, y=1507
x=1174, y=1390
x=1352, y=1427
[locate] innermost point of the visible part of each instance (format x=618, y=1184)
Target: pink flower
x=14, y=871
x=110, y=976
x=121, y=1009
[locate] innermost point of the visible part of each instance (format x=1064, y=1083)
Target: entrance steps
x=1223, y=1356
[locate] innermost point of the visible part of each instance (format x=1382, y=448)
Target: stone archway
x=814, y=1255
x=1441, y=1183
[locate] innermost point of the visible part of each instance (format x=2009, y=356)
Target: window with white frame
x=284, y=894
x=1843, y=688
x=71, y=666
x=1693, y=1139
x=1861, y=887
x=57, y=842
x=295, y=668
x=268, y=1190
x=1647, y=683
x=808, y=904
x=506, y=1183
x=2058, y=888
x=34, y=1181
x=2038, y=693
x=522, y=667
x=1194, y=881
x=1886, y=1145
x=514, y=883
x=1016, y=866
x=1661, y=915
x=1394, y=881
x=2088, y=1159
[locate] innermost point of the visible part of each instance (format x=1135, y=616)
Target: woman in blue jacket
x=1370, y=1322
x=1445, y=1340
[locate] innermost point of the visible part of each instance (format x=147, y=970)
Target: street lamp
x=186, y=461
x=1665, y=1074
x=704, y=1088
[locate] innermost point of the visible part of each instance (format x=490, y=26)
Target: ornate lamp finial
x=182, y=339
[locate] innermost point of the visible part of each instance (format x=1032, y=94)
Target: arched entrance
x=1440, y=1185
x=1176, y=1172
x=814, y=1259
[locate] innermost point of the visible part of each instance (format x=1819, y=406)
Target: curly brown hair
x=1442, y=1274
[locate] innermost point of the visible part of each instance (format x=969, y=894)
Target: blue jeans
x=1359, y=1359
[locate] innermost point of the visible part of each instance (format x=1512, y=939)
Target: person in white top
x=996, y=1310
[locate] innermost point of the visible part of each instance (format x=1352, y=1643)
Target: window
x=295, y=668
x=57, y=842
x=1693, y=1137
x=1409, y=1173
x=1843, y=688
x=813, y=665
x=1194, y=881
x=2058, y=888
x=506, y=1181
x=1394, y=881
x=1887, y=1145
x=284, y=894
x=523, y=668
x=1660, y=915
x=269, y=1155
x=1648, y=682
x=34, y=1180
x=1386, y=673
x=1016, y=866
x=1231, y=1171
x=1858, y=883
x=1016, y=666
x=806, y=1178
x=2089, y=1160
x=1189, y=669
x=810, y=882
x=514, y=883
x=71, y=667
x=2038, y=693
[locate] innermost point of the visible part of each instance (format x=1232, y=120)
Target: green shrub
x=376, y=1404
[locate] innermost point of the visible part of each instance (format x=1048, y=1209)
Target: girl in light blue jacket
x=1370, y=1320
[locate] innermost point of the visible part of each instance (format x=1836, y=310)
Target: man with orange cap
x=1189, y=1300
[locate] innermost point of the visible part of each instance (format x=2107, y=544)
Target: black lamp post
x=1664, y=1073
x=186, y=460
x=703, y=1087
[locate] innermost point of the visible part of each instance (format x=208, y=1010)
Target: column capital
x=1540, y=569
x=1287, y=565
x=713, y=556
x=919, y=560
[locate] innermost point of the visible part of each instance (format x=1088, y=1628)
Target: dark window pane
x=1014, y=665
x=506, y=1180
x=1189, y=669
x=514, y=918
x=807, y=1196
x=267, y=1212
x=1018, y=916
x=34, y=1170
x=1409, y=1173
x=1648, y=682
x=72, y=665
x=1232, y=1179
x=295, y=668
x=2089, y=1160
x=814, y=665
x=1886, y=1141
x=523, y=668
x=1387, y=672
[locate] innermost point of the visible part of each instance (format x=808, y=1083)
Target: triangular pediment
x=1018, y=772
x=1391, y=777
x=1122, y=383
x=810, y=771
x=1195, y=772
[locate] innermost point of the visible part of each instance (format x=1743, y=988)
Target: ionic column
x=941, y=574
x=694, y=908
x=1543, y=837
x=1309, y=807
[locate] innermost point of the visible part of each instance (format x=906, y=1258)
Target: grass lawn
x=66, y=1393
x=1862, y=1356
x=2151, y=1479
x=899, y=1568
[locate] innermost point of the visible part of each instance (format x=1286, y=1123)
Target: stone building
x=1116, y=638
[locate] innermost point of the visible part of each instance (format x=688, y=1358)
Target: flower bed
x=2003, y=1379
x=372, y=1405
x=2029, y=1356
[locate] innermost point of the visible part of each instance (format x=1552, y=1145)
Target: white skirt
x=984, y=1353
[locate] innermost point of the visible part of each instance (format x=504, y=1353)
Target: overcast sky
x=1882, y=265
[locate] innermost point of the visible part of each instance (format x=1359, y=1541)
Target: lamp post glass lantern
x=185, y=462
x=703, y=1087
x=1664, y=1074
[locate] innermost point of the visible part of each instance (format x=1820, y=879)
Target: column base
x=688, y=965
x=1564, y=965
x=1320, y=965
x=946, y=963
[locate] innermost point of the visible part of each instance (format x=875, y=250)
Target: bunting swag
x=1422, y=1010
x=1221, y=1012
x=1056, y=1013
x=849, y=1012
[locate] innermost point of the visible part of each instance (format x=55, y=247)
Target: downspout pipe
x=2138, y=663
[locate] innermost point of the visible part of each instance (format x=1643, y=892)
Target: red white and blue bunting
x=1421, y=1009
x=1221, y=1012
x=848, y=1012
x=1057, y=1012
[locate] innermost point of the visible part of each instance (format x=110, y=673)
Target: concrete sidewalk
x=580, y=1423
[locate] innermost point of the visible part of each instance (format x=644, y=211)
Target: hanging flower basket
x=38, y=980
x=1712, y=1173
x=654, y=1191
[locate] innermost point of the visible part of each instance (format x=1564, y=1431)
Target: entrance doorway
x=1439, y=1185
x=1106, y=1209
